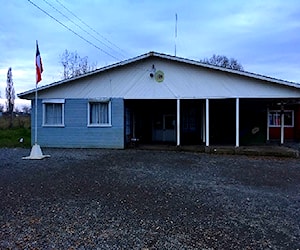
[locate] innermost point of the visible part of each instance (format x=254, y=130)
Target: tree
x=223, y=61
x=74, y=65
x=10, y=92
x=10, y=95
x=26, y=109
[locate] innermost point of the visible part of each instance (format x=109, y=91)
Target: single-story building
x=158, y=98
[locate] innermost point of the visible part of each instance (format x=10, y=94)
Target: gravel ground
x=143, y=199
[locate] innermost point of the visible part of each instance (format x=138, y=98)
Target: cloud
x=262, y=35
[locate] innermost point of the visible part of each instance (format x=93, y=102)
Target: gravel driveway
x=143, y=199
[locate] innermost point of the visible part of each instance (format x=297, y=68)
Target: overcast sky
x=263, y=35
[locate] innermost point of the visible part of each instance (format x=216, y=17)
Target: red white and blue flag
x=38, y=64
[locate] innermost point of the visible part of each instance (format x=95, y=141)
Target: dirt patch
x=144, y=199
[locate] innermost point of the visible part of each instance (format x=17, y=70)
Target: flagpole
x=39, y=70
x=36, y=152
x=35, y=113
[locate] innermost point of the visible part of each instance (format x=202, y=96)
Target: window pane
x=53, y=113
x=104, y=113
x=288, y=119
x=94, y=113
x=271, y=121
x=275, y=118
x=99, y=113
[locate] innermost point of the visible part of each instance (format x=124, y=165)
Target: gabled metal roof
x=169, y=58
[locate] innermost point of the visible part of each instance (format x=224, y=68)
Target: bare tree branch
x=223, y=61
x=74, y=65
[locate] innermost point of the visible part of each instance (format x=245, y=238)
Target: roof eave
x=29, y=93
x=237, y=72
x=115, y=65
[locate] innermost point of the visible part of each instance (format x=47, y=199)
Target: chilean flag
x=38, y=64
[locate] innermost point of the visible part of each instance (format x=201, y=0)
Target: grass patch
x=10, y=135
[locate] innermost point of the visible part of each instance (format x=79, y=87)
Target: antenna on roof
x=175, y=31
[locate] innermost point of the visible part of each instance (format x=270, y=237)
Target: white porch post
x=133, y=125
x=178, y=122
x=207, y=123
x=282, y=125
x=203, y=123
x=237, y=122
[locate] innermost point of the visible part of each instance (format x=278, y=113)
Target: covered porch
x=232, y=121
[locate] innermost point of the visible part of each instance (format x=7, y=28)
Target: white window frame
x=54, y=101
x=278, y=112
x=102, y=100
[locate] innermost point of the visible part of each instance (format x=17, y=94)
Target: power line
x=91, y=27
x=75, y=33
x=80, y=26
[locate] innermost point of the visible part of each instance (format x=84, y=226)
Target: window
x=53, y=112
x=99, y=113
x=275, y=118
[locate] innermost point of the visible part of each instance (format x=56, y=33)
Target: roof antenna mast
x=175, y=31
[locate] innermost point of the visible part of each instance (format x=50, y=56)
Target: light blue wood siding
x=76, y=133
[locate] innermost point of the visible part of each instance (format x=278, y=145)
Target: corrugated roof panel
x=182, y=79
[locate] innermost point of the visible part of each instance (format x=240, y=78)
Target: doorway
x=164, y=128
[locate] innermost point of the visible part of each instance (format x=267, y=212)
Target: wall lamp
x=152, y=71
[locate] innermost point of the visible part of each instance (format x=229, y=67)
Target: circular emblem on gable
x=159, y=76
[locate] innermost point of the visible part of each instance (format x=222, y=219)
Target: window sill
x=53, y=126
x=278, y=126
x=99, y=126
